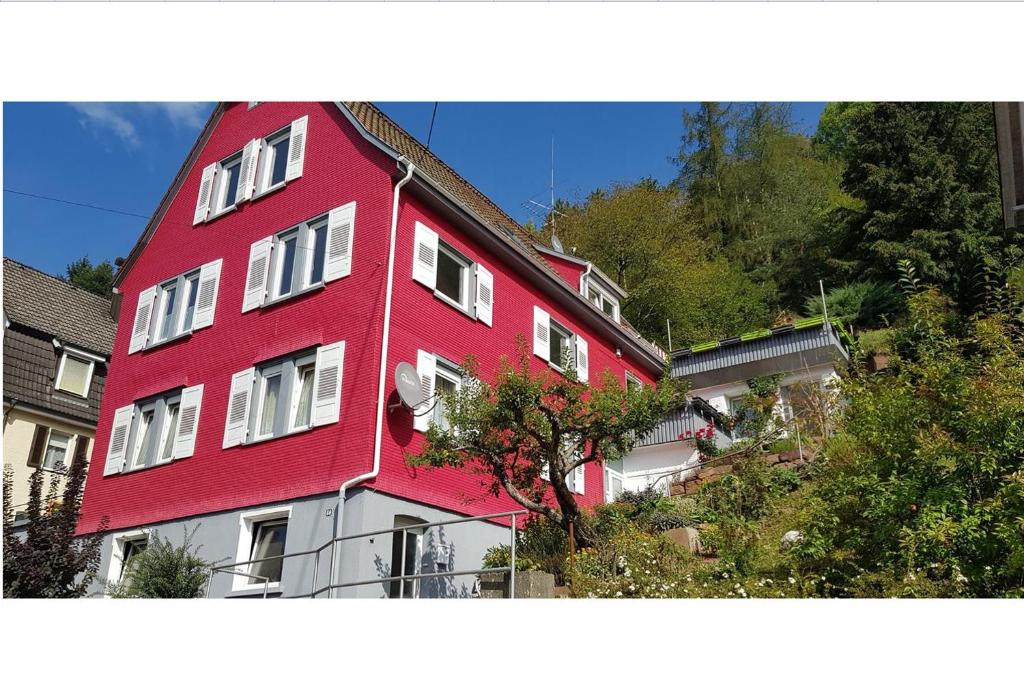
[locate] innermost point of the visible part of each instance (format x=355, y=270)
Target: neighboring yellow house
x=57, y=344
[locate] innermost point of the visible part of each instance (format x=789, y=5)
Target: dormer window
x=601, y=298
x=74, y=373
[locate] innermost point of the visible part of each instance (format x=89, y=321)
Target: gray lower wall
x=311, y=524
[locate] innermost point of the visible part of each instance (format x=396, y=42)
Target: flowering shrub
x=631, y=564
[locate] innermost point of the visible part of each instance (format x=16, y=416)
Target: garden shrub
x=163, y=570
x=925, y=492
x=631, y=564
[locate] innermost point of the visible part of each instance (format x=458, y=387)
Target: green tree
x=528, y=424
x=768, y=200
x=163, y=570
x=833, y=130
x=98, y=279
x=923, y=494
x=47, y=560
x=642, y=237
x=927, y=179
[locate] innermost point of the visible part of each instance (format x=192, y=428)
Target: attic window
x=601, y=298
x=74, y=373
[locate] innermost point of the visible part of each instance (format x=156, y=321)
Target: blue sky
x=123, y=156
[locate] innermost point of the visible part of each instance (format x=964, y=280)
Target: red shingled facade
x=340, y=166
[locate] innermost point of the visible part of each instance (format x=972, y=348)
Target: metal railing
x=233, y=568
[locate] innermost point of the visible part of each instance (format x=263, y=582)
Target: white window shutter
x=205, y=194
x=237, y=424
x=118, y=439
x=426, y=367
x=330, y=361
x=296, y=149
x=582, y=360
x=424, y=256
x=206, y=297
x=484, y=295
x=340, y=227
x=188, y=421
x=541, y=333
x=256, y=277
x=247, y=170
x=579, y=480
x=143, y=319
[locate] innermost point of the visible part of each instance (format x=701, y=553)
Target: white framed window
x=125, y=548
x=301, y=411
x=614, y=481
x=274, y=161
x=447, y=382
x=602, y=299
x=285, y=395
x=263, y=536
x=176, y=307
x=144, y=438
x=225, y=191
x=269, y=405
x=633, y=381
x=300, y=258
x=58, y=447
x=169, y=425
x=558, y=346
x=453, y=277
x=75, y=371
x=263, y=165
x=154, y=431
x=406, y=557
x=561, y=351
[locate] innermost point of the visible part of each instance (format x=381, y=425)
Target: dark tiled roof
x=384, y=128
x=58, y=308
x=30, y=366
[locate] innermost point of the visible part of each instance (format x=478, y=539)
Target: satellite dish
x=557, y=244
x=407, y=383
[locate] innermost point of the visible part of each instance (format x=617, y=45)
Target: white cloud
x=123, y=120
x=102, y=116
x=191, y=114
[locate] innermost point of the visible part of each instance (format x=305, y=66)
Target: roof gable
x=56, y=307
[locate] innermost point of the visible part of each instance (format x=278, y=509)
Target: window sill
x=454, y=304
x=251, y=590
x=288, y=297
x=146, y=468
x=83, y=396
x=268, y=191
x=168, y=340
x=215, y=215
x=297, y=431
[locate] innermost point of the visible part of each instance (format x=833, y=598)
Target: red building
x=302, y=252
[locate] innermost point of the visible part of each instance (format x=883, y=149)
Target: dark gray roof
x=53, y=306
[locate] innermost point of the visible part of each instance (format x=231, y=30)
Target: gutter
x=339, y=523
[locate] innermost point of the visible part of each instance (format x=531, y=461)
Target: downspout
x=381, y=380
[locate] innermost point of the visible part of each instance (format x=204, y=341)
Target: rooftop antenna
x=549, y=209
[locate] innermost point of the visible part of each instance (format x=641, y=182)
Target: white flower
x=792, y=581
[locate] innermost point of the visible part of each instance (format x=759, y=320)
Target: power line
x=430, y=132
x=76, y=204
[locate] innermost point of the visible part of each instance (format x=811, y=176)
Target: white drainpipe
x=381, y=380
